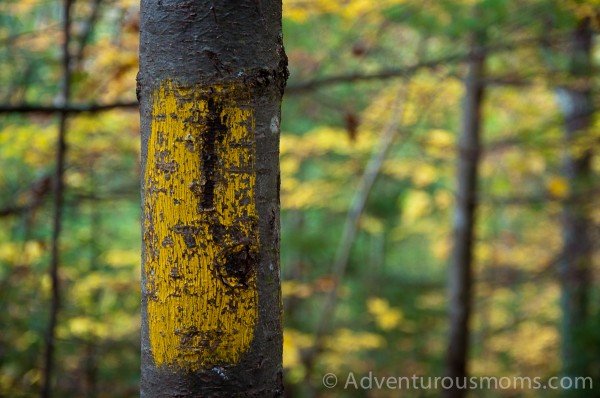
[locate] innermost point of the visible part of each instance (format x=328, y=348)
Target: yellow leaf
x=441, y=249
x=558, y=187
x=294, y=342
x=416, y=205
x=122, y=258
x=372, y=225
x=441, y=139
x=293, y=288
x=424, y=175
x=347, y=340
x=386, y=316
x=443, y=199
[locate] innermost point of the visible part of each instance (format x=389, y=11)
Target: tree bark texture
x=576, y=260
x=210, y=85
x=461, y=261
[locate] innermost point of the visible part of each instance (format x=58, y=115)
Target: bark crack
x=216, y=129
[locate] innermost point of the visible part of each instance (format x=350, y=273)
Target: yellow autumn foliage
x=294, y=342
x=345, y=349
x=584, y=9
x=296, y=289
x=346, y=340
x=309, y=194
x=326, y=139
x=21, y=252
x=301, y=10
x=416, y=205
x=386, y=317
x=558, y=187
x=440, y=141
x=441, y=248
x=370, y=224
x=33, y=144
x=424, y=175
x=443, y=199
x=121, y=257
x=82, y=326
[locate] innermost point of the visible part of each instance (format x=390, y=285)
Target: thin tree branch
x=35, y=193
x=409, y=70
x=59, y=183
x=404, y=71
x=67, y=108
x=10, y=210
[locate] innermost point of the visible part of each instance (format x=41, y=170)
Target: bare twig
x=57, y=214
x=381, y=75
x=67, y=108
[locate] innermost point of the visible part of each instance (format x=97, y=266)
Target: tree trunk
x=575, y=264
x=210, y=85
x=460, y=278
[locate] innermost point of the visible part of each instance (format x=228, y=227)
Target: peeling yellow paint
x=200, y=226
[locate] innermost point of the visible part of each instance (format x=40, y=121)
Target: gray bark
x=200, y=44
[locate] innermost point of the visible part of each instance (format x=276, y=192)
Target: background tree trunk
x=57, y=212
x=461, y=274
x=211, y=79
x=575, y=264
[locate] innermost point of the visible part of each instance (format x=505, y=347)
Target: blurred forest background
x=379, y=95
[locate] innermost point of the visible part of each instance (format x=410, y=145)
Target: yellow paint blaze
x=202, y=299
